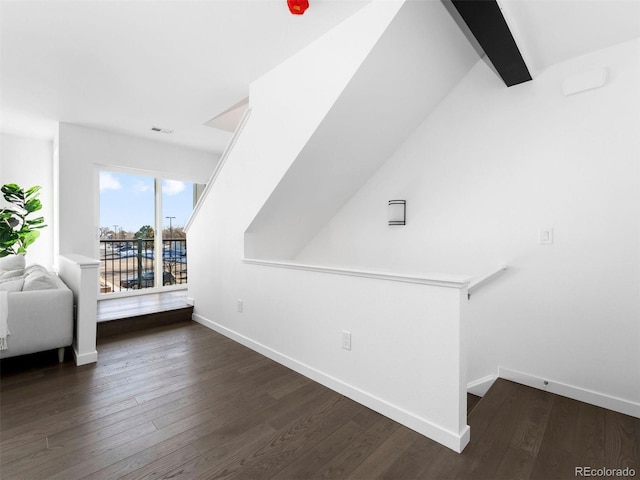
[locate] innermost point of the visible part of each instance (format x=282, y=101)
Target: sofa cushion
x=12, y=284
x=8, y=274
x=12, y=262
x=34, y=267
x=38, y=280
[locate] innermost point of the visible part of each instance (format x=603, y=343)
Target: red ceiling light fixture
x=297, y=7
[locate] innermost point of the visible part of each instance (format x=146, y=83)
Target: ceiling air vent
x=162, y=130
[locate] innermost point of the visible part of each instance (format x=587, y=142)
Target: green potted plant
x=17, y=231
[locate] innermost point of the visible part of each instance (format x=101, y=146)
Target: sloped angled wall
x=287, y=105
x=416, y=62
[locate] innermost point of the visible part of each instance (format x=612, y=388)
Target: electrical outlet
x=240, y=306
x=346, y=340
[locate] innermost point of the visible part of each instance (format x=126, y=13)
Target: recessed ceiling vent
x=161, y=130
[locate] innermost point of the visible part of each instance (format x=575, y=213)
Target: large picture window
x=139, y=217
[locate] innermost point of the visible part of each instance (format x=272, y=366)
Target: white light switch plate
x=546, y=236
x=346, y=340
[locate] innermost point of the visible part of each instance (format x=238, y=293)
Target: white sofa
x=39, y=314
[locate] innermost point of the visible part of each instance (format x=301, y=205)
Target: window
x=139, y=216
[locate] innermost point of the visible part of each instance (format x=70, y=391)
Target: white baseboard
x=577, y=393
x=85, y=358
x=481, y=386
x=454, y=441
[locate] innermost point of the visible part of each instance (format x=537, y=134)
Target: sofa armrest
x=39, y=320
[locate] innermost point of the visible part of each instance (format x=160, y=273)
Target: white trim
x=438, y=280
x=218, y=168
x=481, y=386
x=80, y=273
x=81, y=260
x=571, y=391
x=104, y=167
x=476, y=284
x=85, y=358
x=454, y=441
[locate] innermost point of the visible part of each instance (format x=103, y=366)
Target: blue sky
x=126, y=200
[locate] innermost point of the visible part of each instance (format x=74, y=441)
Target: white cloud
x=109, y=182
x=172, y=187
x=140, y=187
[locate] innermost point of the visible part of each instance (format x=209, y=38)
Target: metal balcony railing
x=128, y=264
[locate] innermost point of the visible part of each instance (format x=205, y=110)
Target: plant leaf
x=32, y=190
x=33, y=205
x=13, y=194
x=28, y=238
x=16, y=231
x=8, y=236
x=11, y=188
x=35, y=221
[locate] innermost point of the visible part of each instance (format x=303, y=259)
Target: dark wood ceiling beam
x=486, y=22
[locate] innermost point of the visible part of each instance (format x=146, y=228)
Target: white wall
x=382, y=104
x=411, y=372
x=29, y=162
x=481, y=175
x=82, y=151
x=407, y=355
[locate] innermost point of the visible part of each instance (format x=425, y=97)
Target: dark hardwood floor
x=182, y=402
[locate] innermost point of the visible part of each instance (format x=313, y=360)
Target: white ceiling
x=128, y=65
